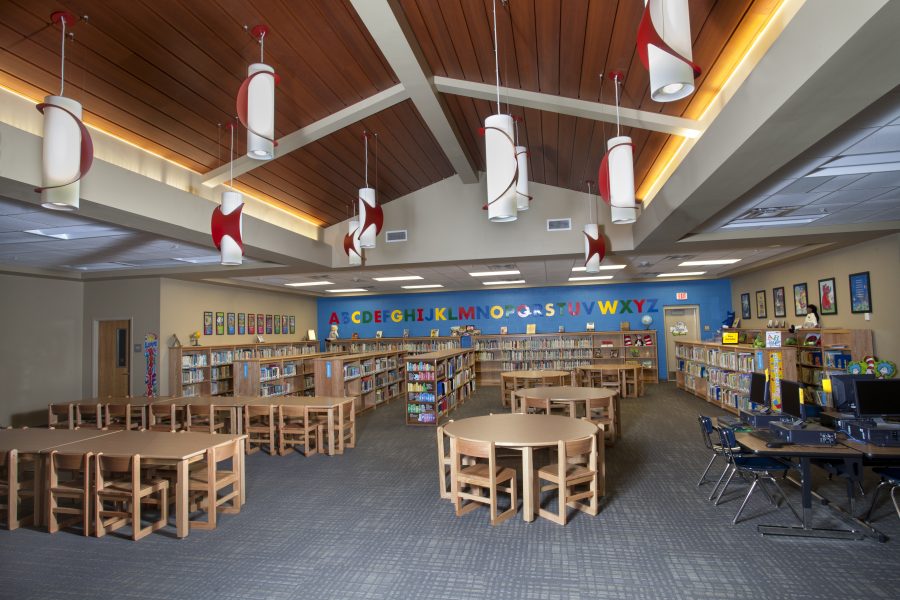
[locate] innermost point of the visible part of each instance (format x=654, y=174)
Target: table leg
x=340, y=440
x=331, y=432
x=528, y=483
x=241, y=464
x=182, y=525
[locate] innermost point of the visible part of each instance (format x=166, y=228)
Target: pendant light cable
x=366, y=156
x=62, y=65
x=262, y=46
x=496, y=57
x=616, y=82
x=231, y=156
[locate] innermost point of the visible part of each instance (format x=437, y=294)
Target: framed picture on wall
x=745, y=305
x=761, y=304
x=503, y=330
x=251, y=323
x=293, y=322
x=311, y=335
x=268, y=325
x=260, y=324
x=207, y=322
x=860, y=293
x=230, y=323
x=220, y=323
x=800, y=299
x=827, y=297
x=778, y=301
x=242, y=324
x=277, y=322
x=284, y=324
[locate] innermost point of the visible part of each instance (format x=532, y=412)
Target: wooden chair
x=468, y=481
x=121, y=417
x=14, y=489
x=163, y=417
x=89, y=414
x=202, y=417
x=611, y=378
x=259, y=425
x=61, y=416
x=344, y=428
x=576, y=466
x=209, y=479
x=119, y=492
x=632, y=380
x=297, y=427
x=507, y=387
x=535, y=405
x=602, y=411
x=69, y=491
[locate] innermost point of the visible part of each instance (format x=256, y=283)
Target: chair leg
x=875, y=499
x=744, y=503
x=894, y=499
x=768, y=495
x=719, y=481
x=710, y=464
x=725, y=487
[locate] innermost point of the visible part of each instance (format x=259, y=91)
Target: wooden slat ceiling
x=164, y=75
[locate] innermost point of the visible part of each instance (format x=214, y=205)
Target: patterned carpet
x=370, y=524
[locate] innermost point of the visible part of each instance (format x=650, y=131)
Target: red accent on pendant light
x=348, y=244
x=374, y=217
x=229, y=224
x=595, y=246
x=648, y=35
x=243, y=102
x=603, y=173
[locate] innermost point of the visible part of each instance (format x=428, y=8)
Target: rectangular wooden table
x=234, y=405
x=344, y=405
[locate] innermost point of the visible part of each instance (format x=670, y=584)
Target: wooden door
x=682, y=324
x=114, y=359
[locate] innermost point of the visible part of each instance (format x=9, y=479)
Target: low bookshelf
x=437, y=383
x=373, y=378
x=277, y=376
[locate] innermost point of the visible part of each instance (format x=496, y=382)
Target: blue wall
x=570, y=306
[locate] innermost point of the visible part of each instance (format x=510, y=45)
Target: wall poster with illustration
x=778, y=301
x=761, y=304
x=230, y=323
x=800, y=299
x=827, y=298
x=207, y=322
x=242, y=324
x=860, y=293
x=745, y=306
x=251, y=323
x=220, y=323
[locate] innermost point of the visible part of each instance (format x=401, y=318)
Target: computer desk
x=853, y=457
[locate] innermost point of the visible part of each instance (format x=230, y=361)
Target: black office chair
x=761, y=468
x=706, y=430
x=889, y=476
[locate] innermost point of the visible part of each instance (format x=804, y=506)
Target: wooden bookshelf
x=437, y=383
x=208, y=370
x=276, y=376
x=720, y=374
x=413, y=345
x=373, y=378
x=565, y=351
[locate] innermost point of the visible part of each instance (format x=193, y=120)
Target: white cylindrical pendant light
x=669, y=59
x=367, y=206
x=62, y=156
x=355, y=252
x=592, y=258
x=502, y=166
x=260, y=112
x=523, y=198
x=621, y=180
x=230, y=248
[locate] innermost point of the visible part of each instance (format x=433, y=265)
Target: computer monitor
x=790, y=399
x=843, y=391
x=878, y=398
x=759, y=389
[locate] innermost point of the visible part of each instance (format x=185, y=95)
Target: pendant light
x=594, y=244
x=664, y=46
x=523, y=198
x=351, y=240
x=256, y=103
x=616, y=177
x=68, y=150
x=501, y=162
x=228, y=219
x=370, y=214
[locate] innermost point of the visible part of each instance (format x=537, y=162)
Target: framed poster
x=293, y=324
x=778, y=301
x=860, y=293
x=745, y=305
x=251, y=323
x=268, y=325
x=207, y=322
x=260, y=324
x=761, y=304
x=242, y=323
x=284, y=324
x=800, y=299
x=230, y=323
x=277, y=322
x=827, y=298
x=220, y=323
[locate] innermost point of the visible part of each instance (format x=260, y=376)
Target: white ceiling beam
x=315, y=131
x=397, y=44
x=574, y=107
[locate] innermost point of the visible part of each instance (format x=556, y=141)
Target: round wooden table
x=572, y=396
x=511, y=381
x=525, y=432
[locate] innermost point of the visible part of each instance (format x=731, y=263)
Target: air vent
x=679, y=257
x=559, y=224
x=398, y=235
x=501, y=267
x=767, y=213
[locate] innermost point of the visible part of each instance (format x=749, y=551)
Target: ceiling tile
x=884, y=139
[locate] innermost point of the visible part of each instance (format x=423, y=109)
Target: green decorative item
x=857, y=367
x=759, y=342
x=791, y=341
x=742, y=338
x=635, y=352
x=885, y=369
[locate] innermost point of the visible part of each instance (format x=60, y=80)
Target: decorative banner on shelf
x=151, y=352
x=776, y=373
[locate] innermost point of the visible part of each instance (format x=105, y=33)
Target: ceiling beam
x=315, y=131
x=395, y=39
x=574, y=107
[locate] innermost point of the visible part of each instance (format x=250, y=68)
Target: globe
x=646, y=320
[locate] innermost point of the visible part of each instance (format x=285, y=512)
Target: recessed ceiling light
x=702, y=263
x=103, y=266
x=421, y=287
x=684, y=274
x=494, y=273
x=774, y=222
x=347, y=290
x=400, y=278
x=308, y=283
x=602, y=268
x=503, y=282
x=201, y=260
x=590, y=278
x=77, y=232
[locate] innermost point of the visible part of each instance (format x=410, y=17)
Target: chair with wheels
x=759, y=468
x=890, y=476
x=467, y=482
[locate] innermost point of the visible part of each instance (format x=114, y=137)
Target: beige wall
x=41, y=352
x=182, y=304
x=881, y=257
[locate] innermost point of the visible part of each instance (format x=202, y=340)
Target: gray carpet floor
x=370, y=524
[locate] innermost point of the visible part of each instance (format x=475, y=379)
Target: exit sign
x=681, y=295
